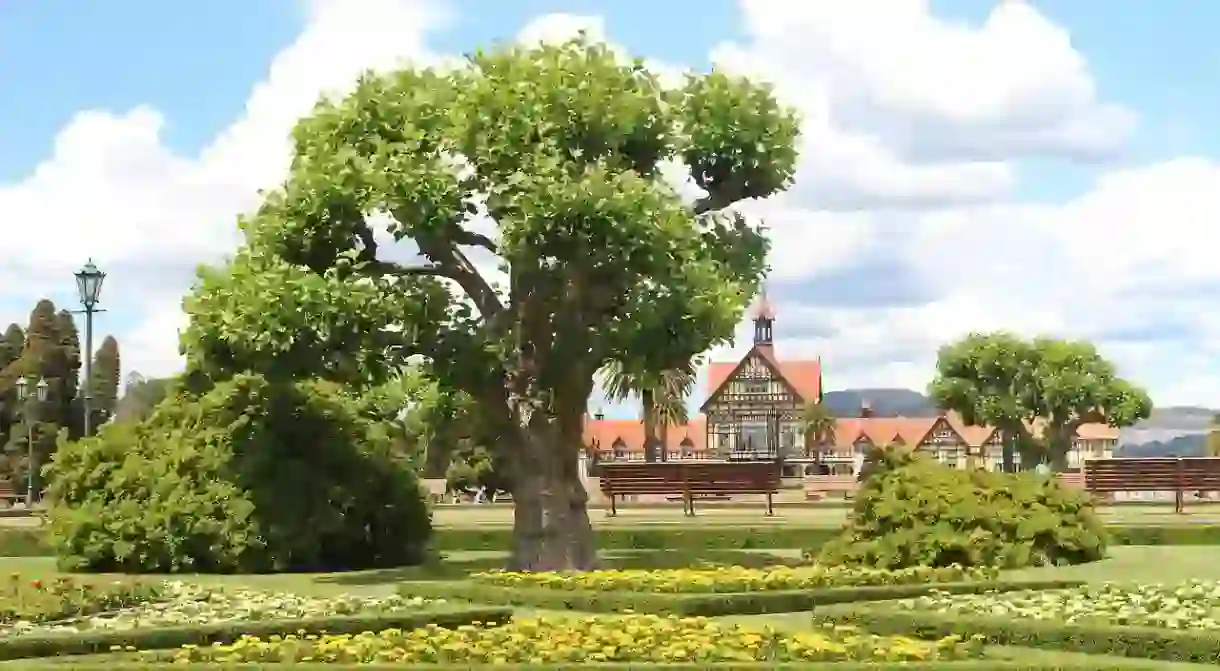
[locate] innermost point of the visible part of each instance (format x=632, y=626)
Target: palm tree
x=819, y=427
x=662, y=394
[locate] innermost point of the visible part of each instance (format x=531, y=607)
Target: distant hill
x=1182, y=446
x=1177, y=430
x=884, y=402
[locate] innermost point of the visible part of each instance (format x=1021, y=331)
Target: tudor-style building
x=753, y=412
x=753, y=409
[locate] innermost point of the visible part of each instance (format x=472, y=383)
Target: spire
x=764, y=320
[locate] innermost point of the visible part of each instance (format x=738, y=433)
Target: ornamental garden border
x=703, y=603
x=1167, y=645
x=100, y=641
x=1082, y=664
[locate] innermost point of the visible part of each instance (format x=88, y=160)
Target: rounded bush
x=913, y=511
x=250, y=476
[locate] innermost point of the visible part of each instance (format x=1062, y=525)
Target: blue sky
x=197, y=64
x=58, y=57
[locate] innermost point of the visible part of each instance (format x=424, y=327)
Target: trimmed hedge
x=705, y=604
x=165, y=638
x=1169, y=645
x=29, y=541
x=780, y=537
x=1077, y=664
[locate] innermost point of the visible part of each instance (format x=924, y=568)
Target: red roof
x=631, y=433
x=805, y=377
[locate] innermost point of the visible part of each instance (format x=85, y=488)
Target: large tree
x=1075, y=385
x=986, y=377
x=546, y=162
x=1037, y=393
x=68, y=359
x=11, y=344
x=43, y=357
x=107, y=374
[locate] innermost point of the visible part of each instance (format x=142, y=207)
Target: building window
x=755, y=387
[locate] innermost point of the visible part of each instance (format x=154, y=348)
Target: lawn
x=711, y=514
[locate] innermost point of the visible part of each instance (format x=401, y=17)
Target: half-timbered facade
x=753, y=409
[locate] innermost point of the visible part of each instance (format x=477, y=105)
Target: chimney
x=866, y=408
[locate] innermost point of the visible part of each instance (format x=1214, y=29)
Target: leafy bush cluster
x=248, y=476
x=913, y=511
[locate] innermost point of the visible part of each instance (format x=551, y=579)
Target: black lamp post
x=23, y=396
x=89, y=286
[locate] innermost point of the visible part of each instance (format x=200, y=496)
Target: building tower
x=764, y=321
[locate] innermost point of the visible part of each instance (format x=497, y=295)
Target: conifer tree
x=64, y=365
x=106, y=380
x=11, y=344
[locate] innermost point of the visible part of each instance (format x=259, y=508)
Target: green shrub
x=913, y=511
x=249, y=476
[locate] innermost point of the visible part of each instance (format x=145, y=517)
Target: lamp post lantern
x=28, y=405
x=89, y=285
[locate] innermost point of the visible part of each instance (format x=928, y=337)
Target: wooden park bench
x=817, y=487
x=9, y=495
x=1155, y=474
x=690, y=479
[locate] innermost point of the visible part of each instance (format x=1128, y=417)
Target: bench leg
x=613, y=509
x=770, y=505
x=690, y=504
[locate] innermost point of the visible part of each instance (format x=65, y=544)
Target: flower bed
x=731, y=578
x=637, y=638
x=36, y=601
x=182, y=604
x=1192, y=605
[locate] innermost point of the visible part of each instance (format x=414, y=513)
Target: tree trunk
x=648, y=404
x=528, y=483
x=1009, y=451
x=569, y=543
x=551, y=526
x=1059, y=444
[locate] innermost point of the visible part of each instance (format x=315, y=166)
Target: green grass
x=810, y=514
x=1124, y=564
x=1134, y=563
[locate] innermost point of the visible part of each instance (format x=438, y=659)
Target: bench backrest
x=678, y=475
x=1152, y=474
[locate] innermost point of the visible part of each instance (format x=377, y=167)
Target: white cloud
x=913, y=130
x=113, y=191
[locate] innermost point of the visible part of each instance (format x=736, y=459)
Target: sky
x=1042, y=167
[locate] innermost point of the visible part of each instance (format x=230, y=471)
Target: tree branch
x=445, y=255
x=398, y=270
x=461, y=236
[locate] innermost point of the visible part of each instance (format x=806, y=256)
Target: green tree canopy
x=547, y=160
x=1015, y=384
